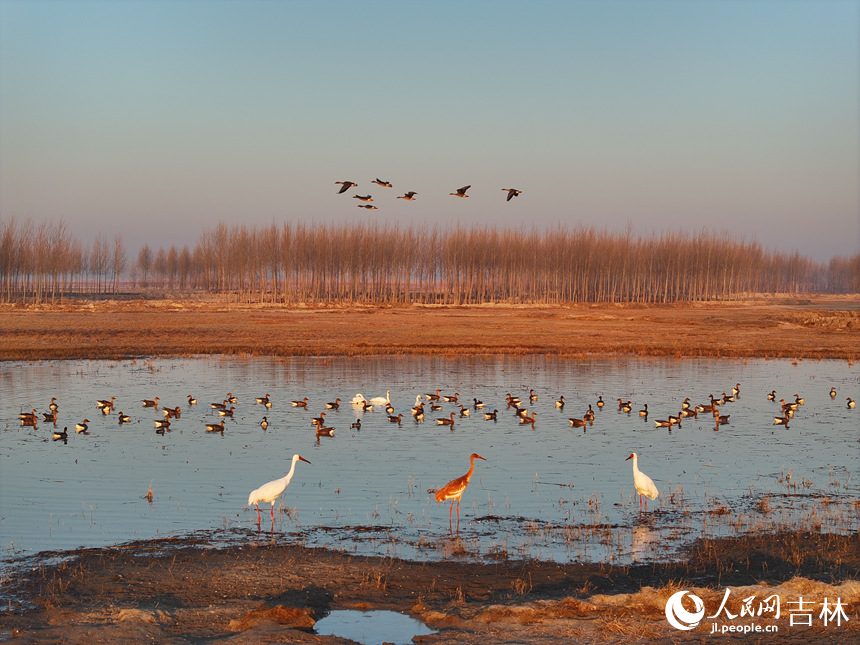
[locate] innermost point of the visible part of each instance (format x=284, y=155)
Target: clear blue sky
x=159, y=119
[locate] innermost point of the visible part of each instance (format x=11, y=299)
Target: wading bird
x=461, y=192
x=642, y=483
x=273, y=490
x=512, y=192
x=453, y=490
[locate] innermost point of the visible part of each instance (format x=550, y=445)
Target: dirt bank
x=815, y=327
x=181, y=591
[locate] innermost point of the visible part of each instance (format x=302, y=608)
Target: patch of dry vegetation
x=817, y=328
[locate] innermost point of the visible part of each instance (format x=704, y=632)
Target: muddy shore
x=181, y=591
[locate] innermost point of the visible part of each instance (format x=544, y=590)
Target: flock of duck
x=435, y=402
x=408, y=196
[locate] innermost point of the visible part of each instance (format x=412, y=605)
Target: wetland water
x=549, y=492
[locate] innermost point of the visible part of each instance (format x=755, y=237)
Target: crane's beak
x=303, y=459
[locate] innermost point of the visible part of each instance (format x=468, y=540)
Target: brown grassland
x=183, y=591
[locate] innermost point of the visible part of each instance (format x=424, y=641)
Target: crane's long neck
x=289, y=475
x=471, y=468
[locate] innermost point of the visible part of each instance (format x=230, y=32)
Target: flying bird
x=410, y=196
x=378, y=181
x=453, y=490
x=369, y=207
x=274, y=489
x=346, y=185
x=512, y=192
x=364, y=198
x=461, y=192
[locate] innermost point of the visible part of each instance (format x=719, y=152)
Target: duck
x=396, y=419
x=577, y=423
x=417, y=409
x=172, y=412
x=589, y=414
x=513, y=400
x=512, y=192
x=600, y=402
x=262, y=399
x=727, y=398
x=445, y=422
x=662, y=423
x=101, y=403
x=366, y=407
x=300, y=404
x=318, y=421
x=53, y=405
x=379, y=182
x=325, y=432
x=369, y=207
x=356, y=425
x=788, y=406
x=27, y=415
x=150, y=403
x=461, y=192
x=333, y=405
x=689, y=413
x=51, y=416
x=124, y=418
x=435, y=407
x=162, y=423
x=832, y=392
x=64, y=435
x=781, y=421
x=215, y=427
x=527, y=419
x=491, y=416
x=264, y=423
x=799, y=400
x=345, y=186
x=644, y=411
x=191, y=400
x=433, y=397
x=226, y=413
x=532, y=396
x=721, y=419
x=736, y=389
x=627, y=407
x=674, y=419
x=851, y=403
x=464, y=411
x=772, y=395
x=478, y=405
x=389, y=409
x=452, y=398
x=29, y=421
x=82, y=426
x=231, y=398
x=560, y=402
x=686, y=404
x=364, y=198
x=410, y=196
x=218, y=406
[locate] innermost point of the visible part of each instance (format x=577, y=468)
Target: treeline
x=360, y=263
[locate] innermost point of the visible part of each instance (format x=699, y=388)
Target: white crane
x=642, y=483
x=273, y=490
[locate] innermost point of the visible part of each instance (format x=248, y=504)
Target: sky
x=157, y=120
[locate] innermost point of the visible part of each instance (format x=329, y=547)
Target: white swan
x=358, y=399
x=382, y=399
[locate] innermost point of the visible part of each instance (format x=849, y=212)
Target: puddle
x=372, y=627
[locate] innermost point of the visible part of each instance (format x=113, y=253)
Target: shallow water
x=551, y=492
x=372, y=627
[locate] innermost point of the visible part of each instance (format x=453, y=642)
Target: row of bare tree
x=444, y=265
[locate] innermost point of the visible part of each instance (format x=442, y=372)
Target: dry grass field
x=812, y=327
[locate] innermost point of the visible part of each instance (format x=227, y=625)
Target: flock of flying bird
x=453, y=490
x=409, y=196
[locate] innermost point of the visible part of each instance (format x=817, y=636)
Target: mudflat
x=811, y=327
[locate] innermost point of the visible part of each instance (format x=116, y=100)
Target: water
x=552, y=492
x=372, y=627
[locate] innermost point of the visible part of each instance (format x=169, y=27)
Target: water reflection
x=546, y=490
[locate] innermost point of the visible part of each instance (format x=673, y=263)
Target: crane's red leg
x=273, y=512
x=458, y=516
x=258, y=512
x=451, y=510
